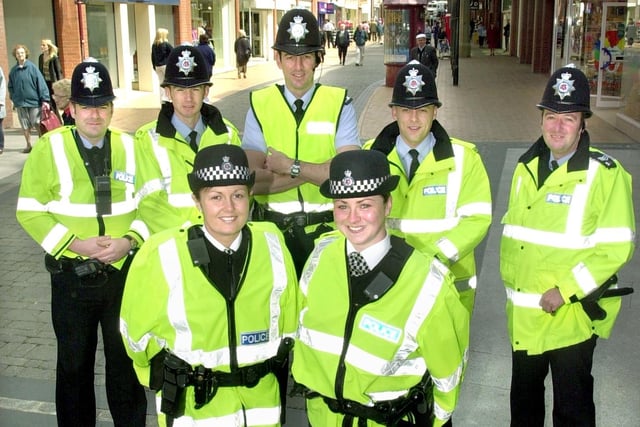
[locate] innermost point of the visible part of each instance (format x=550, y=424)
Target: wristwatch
x=295, y=168
x=132, y=242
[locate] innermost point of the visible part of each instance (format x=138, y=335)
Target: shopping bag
x=48, y=119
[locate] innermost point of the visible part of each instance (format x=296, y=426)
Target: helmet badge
x=564, y=86
x=186, y=63
x=91, y=79
x=297, y=29
x=226, y=164
x=413, y=82
x=347, y=181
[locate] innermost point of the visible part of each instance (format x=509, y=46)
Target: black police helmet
x=91, y=84
x=186, y=67
x=358, y=173
x=415, y=87
x=567, y=91
x=220, y=166
x=298, y=33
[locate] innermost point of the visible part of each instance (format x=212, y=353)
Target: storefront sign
x=474, y=4
x=325, y=8
x=161, y=2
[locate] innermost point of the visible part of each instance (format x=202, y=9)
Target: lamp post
x=79, y=4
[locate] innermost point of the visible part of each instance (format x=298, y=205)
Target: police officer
x=381, y=325
x=167, y=146
x=442, y=204
x=218, y=298
x=291, y=133
x=569, y=228
x=77, y=201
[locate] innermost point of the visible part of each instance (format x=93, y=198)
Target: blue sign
x=325, y=8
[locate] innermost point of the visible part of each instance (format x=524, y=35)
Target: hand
x=278, y=162
x=551, y=300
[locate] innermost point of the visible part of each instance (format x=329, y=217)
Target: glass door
x=611, y=55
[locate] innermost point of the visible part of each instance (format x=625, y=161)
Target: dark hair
x=203, y=38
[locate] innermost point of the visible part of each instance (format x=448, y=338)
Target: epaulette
x=347, y=100
x=606, y=161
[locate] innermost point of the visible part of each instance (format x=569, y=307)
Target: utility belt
x=89, y=268
x=177, y=375
x=416, y=407
x=286, y=221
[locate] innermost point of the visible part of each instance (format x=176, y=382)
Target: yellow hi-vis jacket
x=164, y=160
x=446, y=208
x=57, y=202
x=312, y=141
x=378, y=351
x=572, y=233
x=169, y=303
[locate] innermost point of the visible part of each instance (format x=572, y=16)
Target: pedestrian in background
x=383, y=337
x=493, y=38
x=328, y=28
x=482, y=33
x=373, y=28
x=442, y=205
x=61, y=93
x=360, y=38
x=425, y=54
x=242, y=48
x=292, y=132
x=342, y=40
x=160, y=50
x=28, y=92
x=237, y=299
x=3, y=107
x=506, y=32
x=166, y=147
x=568, y=230
x=77, y=201
x=49, y=66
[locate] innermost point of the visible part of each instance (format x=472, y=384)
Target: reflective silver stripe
x=312, y=262
x=88, y=210
x=162, y=157
x=53, y=237
x=182, y=200
x=140, y=345
x=584, y=278
x=567, y=241
x=466, y=284
x=176, y=310
x=254, y=417
x=454, y=182
x=386, y=395
x=449, y=383
x=522, y=299
x=449, y=250
x=575, y=216
x=149, y=188
x=440, y=412
x=291, y=207
x=422, y=225
x=62, y=167
x=378, y=366
x=28, y=204
x=279, y=280
x=141, y=228
x=476, y=208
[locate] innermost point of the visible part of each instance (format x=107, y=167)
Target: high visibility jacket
x=572, y=233
x=313, y=141
x=57, y=199
x=164, y=160
x=446, y=209
x=171, y=304
x=378, y=351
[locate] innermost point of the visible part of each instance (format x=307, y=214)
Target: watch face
x=295, y=169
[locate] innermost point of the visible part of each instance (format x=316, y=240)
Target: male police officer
x=291, y=133
x=77, y=201
x=379, y=320
x=443, y=202
x=167, y=146
x=568, y=230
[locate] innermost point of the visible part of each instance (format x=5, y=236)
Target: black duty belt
x=299, y=219
x=81, y=267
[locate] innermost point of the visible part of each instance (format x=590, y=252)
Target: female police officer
x=212, y=303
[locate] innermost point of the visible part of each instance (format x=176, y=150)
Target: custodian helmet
x=298, y=33
x=186, y=68
x=415, y=87
x=91, y=84
x=567, y=91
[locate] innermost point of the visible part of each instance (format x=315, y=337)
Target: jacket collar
x=211, y=117
x=386, y=140
x=579, y=161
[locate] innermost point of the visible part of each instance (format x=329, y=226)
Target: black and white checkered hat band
x=224, y=173
x=356, y=186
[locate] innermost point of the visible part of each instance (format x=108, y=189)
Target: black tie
x=414, y=163
x=299, y=112
x=554, y=165
x=193, y=138
x=357, y=265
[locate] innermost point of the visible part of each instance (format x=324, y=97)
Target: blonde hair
x=53, y=49
x=62, y=87
x=162, y=35
x=242, y=33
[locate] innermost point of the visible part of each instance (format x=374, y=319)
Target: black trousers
x=572, y=386
x=78, y=308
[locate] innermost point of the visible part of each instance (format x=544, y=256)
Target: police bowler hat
x=359, y=173
x=91, y=84
x=220, y=166
x=415, y=87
